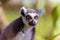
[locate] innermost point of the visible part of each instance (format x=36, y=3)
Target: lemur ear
x=23, y=10
x=40, y=11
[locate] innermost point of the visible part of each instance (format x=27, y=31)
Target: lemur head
x=30, y=16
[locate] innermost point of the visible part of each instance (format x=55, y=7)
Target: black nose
x=32, y=23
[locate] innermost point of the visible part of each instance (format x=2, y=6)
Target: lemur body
x=22, y=28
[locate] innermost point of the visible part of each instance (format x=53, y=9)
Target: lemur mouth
x=31, y=24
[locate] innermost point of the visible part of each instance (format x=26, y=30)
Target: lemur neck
x=28, y=27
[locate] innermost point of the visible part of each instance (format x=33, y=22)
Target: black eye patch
x=28, y=17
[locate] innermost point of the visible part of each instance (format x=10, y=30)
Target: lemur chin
x=23, y=28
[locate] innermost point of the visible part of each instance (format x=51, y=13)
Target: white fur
x=24, y=20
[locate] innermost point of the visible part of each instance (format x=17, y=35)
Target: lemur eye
x=36, y=17
x=28, y=17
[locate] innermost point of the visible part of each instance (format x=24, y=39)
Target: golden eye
x=28, y=17
x=36, y=17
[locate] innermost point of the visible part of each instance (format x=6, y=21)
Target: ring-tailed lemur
x=23, y=28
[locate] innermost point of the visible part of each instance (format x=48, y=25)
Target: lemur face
x=30, y=16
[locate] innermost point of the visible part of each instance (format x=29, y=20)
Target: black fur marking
x=22, y=12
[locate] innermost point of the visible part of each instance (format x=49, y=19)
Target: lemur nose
x=33, y=21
